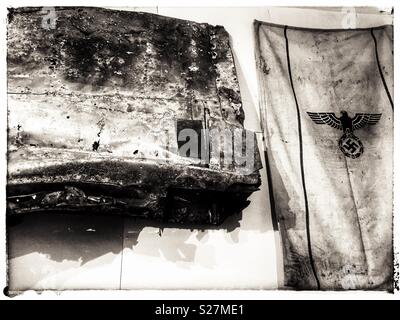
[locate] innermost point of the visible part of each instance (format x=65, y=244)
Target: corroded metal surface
x=92, y=111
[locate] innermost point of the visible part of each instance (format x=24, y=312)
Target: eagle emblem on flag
x=349, y=144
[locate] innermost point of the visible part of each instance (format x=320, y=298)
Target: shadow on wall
x=64, y=236
x=83, y=237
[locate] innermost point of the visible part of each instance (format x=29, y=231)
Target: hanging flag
x=327, y=113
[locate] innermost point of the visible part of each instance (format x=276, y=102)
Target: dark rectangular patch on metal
x=190, y=131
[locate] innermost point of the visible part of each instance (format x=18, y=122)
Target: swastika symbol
x=350, y=145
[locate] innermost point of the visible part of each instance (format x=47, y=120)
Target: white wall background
x=123, y=254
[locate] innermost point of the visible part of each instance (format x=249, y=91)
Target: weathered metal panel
x=92, y=111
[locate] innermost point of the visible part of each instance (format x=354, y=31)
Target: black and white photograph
x=200, y=148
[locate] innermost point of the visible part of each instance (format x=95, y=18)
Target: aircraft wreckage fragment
x=98, y=103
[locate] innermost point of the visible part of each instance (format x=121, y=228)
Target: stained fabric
x=326, y=104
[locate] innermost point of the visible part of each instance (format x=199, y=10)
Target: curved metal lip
x=46, y=165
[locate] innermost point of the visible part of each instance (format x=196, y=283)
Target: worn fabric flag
x=326, y=103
